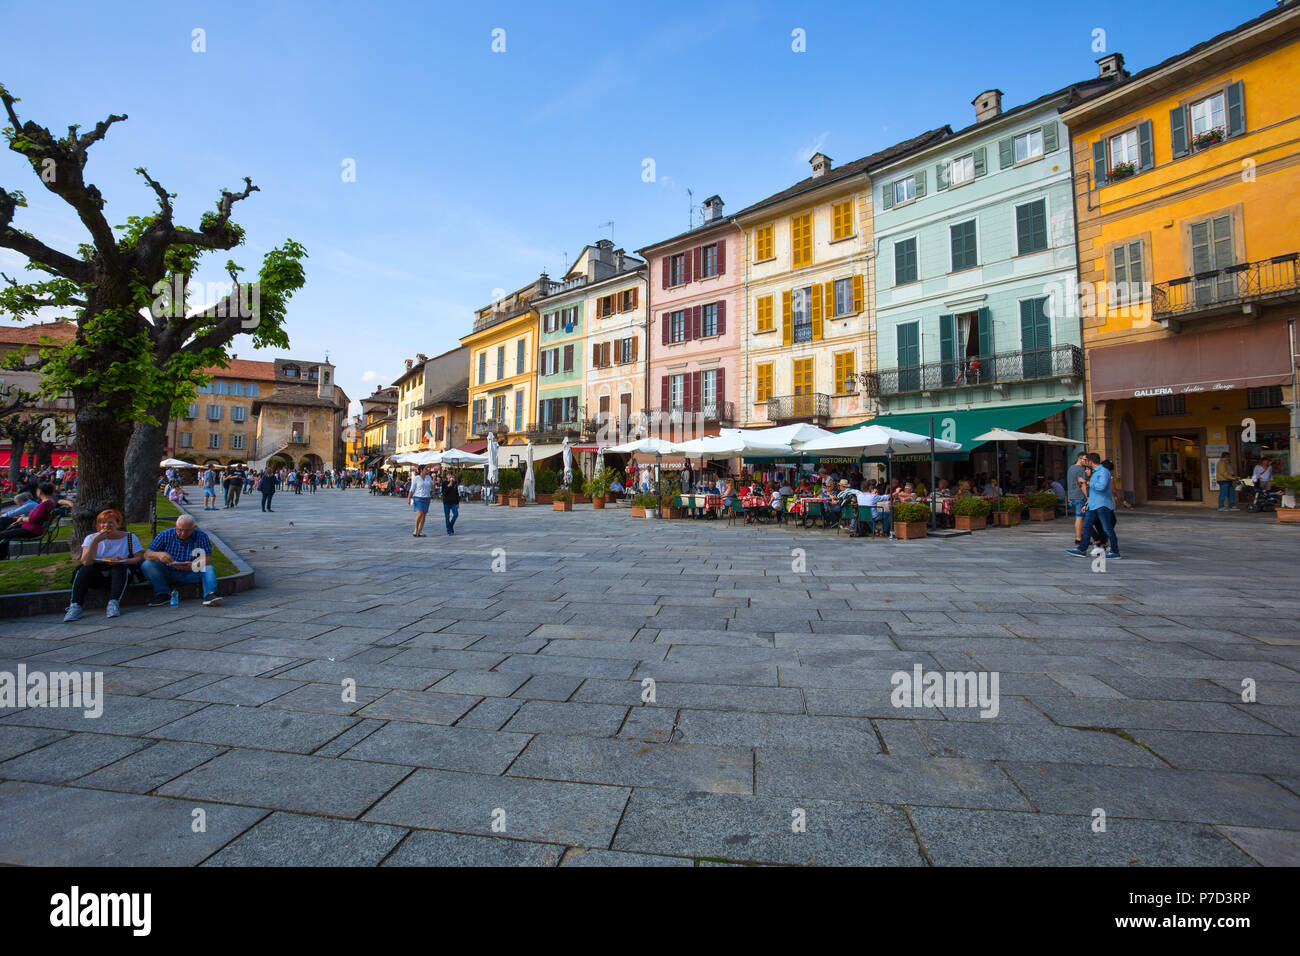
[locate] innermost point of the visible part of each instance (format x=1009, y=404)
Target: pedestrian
x=420, y=496
x=1223, y=474
x=1076, y=494
x=1101, y=507
x=180, y=555
x=267, y=487
x=209, y=490
x=450, y=502
x=234, y=485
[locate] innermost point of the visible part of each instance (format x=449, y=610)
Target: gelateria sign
x=1249, y=356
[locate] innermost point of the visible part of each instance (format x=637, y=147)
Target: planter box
x=672, y=512
x=561, y=505
x=970, y=523
x=582, y=499
x=907, y=530
x=544, y=499
x=516, y=502
x=638, y=512
x=611, y=498
x=1007, y=519
x=1288, y=515
x=598, y=503
x=1042, y=514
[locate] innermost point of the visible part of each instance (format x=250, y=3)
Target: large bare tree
x=137, y=354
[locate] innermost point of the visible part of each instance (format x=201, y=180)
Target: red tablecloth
x=801, y=504
x=755, y=501
x=702, y=501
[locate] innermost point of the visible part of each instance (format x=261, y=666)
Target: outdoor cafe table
x=708, y=502
x=755, y=501
x=800, y=505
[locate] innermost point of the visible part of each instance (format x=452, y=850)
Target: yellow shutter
x=765, y=313
x=857, y=293
x=763, y=382
x=801, y=239
x=830, y=299
x=816, y=311
x=787, y=318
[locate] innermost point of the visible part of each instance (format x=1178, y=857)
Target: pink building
x=696, y=310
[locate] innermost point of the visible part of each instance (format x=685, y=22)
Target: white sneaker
x=74, y=613
x=212, y=600
x=113, y=609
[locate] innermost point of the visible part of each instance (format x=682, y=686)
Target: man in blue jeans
x=450, y=502
x=1101, y=507
x=171, y=559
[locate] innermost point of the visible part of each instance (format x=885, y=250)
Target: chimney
x=821, y=165
x=618, y=260
x=713, y=206
x=987, y=105
x=421, y=357
x=1111, y=65
x=409, y=363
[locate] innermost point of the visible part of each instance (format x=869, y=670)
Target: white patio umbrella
x=568, y=462
x=530, y=487
x=175, y=463
x=868, y=441
x=454, y=456
x=648, y=446
x=999, y=435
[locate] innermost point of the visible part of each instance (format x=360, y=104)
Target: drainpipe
x=1295, y=401
x=747, y=391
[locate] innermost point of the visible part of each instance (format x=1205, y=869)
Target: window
x=204, y=390
x=499, y=409
x=764, y=314
x=1031, y=227
x=905, y=190
x=480, y=409
x=1029, y=145
x=676, y=392
x=568, y=358
x=482, y=367
x=1212, y=252
x=1124, y=149
x=845, y=378
x=1269, y=396
x=569, y=318
x=311, y=374
x=605, y=306
x=1129, y=285
x=842, y=303
x=215, y=413
x=239, y=414
x=291, y=371
x=236, y=388
x=905, y=268
x=801, y=239
x=909, y=356
x=192, y=411
x=802, y=375
x=677, y=269
x=964, y=253
x=520, y=359
x=708, y=261
x=764, y=243
x=677, y=326
x=1035, y=338
x=1208, y=115
x=763, y=382
x=214, y=441
x=501, y=361
x=709, y=390
x=550, y=321
x=961, y=169
x=519, y=411
x=438, y=428
x=842, y=219
x=709, y=320
x=801, y=314
x=624, y=351
x=237, y=442
x=250, y=390
x=187, y=439
x=221, y=388
x=1167, y=405
x=551, y=361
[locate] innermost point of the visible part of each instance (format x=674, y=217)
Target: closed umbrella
x=568, y=463
x=490, y=475
x=530, y=488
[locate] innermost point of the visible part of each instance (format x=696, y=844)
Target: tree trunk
x=18, y=445
x=142, y=457
x=101, y=449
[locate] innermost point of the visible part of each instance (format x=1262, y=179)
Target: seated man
x=616, y=487
x=34, y=524
x=907, y=494
x=171, y=559
x=24, y=504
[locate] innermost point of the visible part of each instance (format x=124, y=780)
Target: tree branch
x=57, y=262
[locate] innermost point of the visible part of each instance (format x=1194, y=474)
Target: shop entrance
x=1174, y=467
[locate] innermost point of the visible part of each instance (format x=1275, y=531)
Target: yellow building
x=502, y=364
x=379, y=427
x=299, y=423
x=1187, y=190
x=220, y=425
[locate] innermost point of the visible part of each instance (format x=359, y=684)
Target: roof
x=849, y=170
x=244, y=368
x=295, y=396
x=455, y=395
x=31, y=334
x=701, y=229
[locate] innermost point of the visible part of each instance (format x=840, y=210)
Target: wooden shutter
x=693, y=327
x=908, y=345
x=636, y=296
x=665, y=319
x=919, y=189
x=947, y=347
x=635, y=339
x=984, y=319
x=887, y=195
x=568, y=358
x=857, y=293
x=667, y=274
x=595, y=355
x=1050, y=141
x=667, y=394
x=828, y=296
x=1177, y=132
x=816, y=311
x=1146, y=155
x=608, y=347
x=1236, y=100
x=981, y=161
x=688, y=263
x=1007, y=152
x=722, y=317
x=696, y=392
x=722, y=256
x=1099, y=166
x=787, y=318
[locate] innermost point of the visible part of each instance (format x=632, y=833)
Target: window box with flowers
x=1121, y=171
x=1209, y=137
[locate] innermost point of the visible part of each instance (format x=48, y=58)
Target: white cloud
x=369, y=376
x=805, y=153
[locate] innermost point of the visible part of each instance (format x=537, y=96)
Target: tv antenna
x=690, y=209
x=610, y=226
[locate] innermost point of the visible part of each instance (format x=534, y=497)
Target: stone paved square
x=647, y=693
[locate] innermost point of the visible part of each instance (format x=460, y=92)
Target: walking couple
x=1089, y=477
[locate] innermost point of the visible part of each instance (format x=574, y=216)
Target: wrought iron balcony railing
x=557, y=428
x=720, y=413
x=497, y=426
x=1059, y=361
x=1222, y=290
x=788, y=408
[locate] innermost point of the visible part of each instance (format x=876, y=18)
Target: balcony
x=713, y=413
x=814, y=407
x=497, y=426
x=1059, y=361
x=555, y=429
x=1232, y=290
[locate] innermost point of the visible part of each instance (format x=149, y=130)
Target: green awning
x=963, y=426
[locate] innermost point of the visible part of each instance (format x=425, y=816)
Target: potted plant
x=1121, y=171
x=1289, y=513
x=911, y=520
x=509, y=485
x=1208, y=137
x=670, y=504
x=577, y=486
x=639, y=504
x=546, y=482
x=1008, y=514
x=1042, y=506
x=971, y=514
x=599, y=486
x=562, y=500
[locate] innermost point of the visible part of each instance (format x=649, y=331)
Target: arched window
x=291, y=371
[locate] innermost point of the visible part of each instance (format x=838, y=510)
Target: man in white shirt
x=1262, y=474
x=420, y=495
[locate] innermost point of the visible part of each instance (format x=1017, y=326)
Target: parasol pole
x=932, y=481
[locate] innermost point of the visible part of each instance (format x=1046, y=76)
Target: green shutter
x=1049, y=138
x=887, y=195
x=1027, y=325
x=920, y=183
x=1099, y=163
x=1136, y=270
x=985, y=323
x=948, y=348
x=1119, y=270
x=1146, y=155
x=1006, y=152
x=900, y=264
x=1178, y=131
x=1024, y=229
x=941, y=176
x=981, y=161
x=1236, y=109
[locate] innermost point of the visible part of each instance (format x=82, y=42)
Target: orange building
x=1187, y=191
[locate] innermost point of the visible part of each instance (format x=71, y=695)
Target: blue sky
x=476, y=170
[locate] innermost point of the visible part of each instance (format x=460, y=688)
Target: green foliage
x=1289, y=483
x=600, y=482
x=562, y=494
x=578, y=480
x=471, y=476
x=546, y=480
x=1013, y=504
x=1042, y=499
x=911, y=511
x=509, y=480
x=972, y=507
x=644, y=500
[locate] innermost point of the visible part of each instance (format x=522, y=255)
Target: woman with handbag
x=108, y=559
